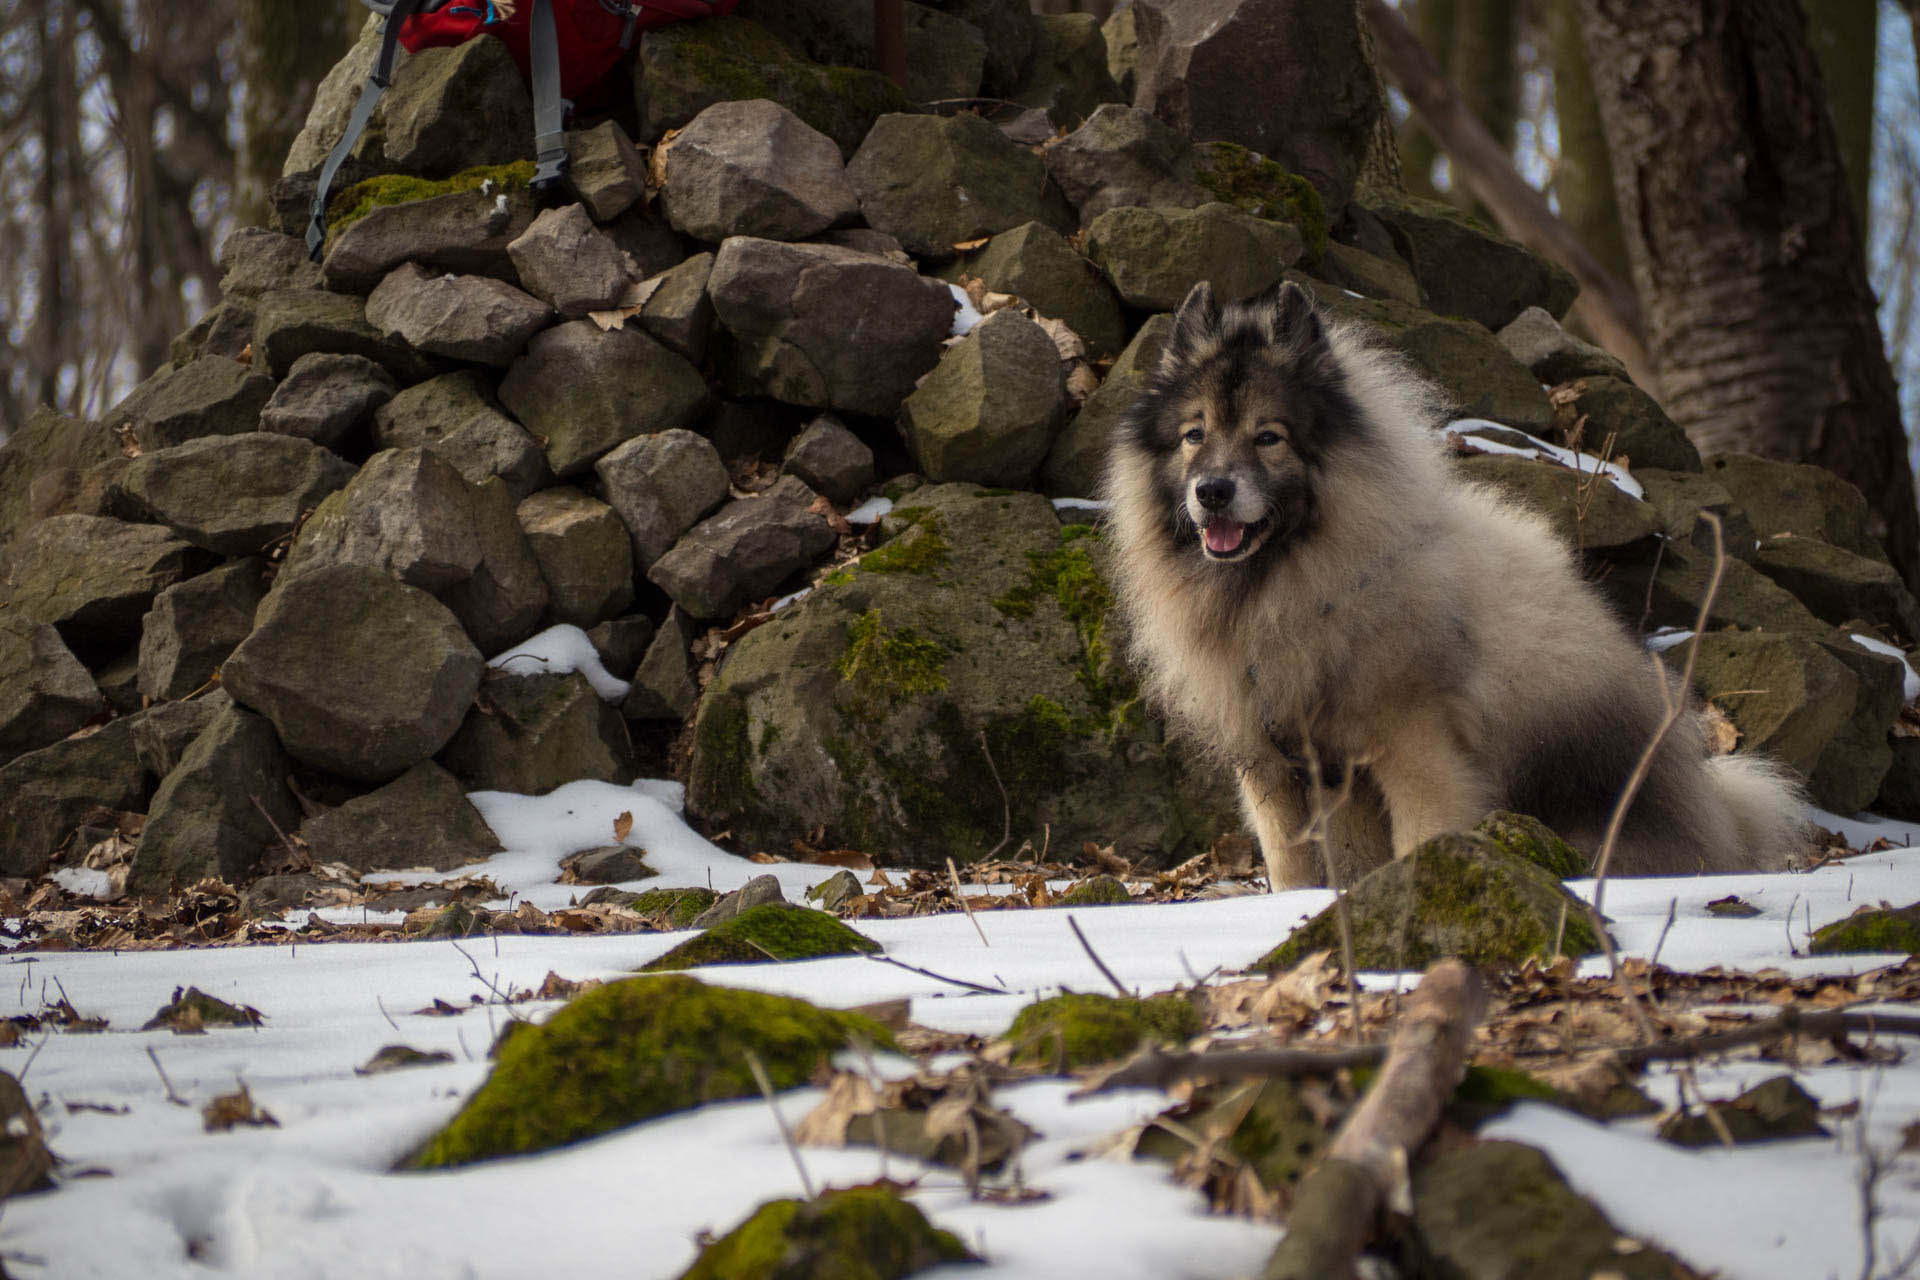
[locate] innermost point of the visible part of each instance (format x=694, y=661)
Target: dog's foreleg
x=1277, y=810
x=1428, y=780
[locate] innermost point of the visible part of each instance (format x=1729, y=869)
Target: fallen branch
x=1790, y=1022
x=1119, y=987
x=1335, y=1205
x=939, y=977
x=1157, y=1068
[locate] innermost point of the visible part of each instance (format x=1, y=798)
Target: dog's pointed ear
x=1196, y=327
x=1290, y=316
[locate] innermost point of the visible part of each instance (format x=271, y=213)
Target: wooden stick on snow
x=1336, y=1203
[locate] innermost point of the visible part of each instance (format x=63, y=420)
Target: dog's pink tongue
x=1224, y=535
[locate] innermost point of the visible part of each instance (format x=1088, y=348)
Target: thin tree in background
x=1747, y=254
x=285, y=51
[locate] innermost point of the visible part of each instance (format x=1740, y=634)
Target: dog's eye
x=1266, y=438
x=1194, y=435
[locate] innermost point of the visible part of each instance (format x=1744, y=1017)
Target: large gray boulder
x=570, y=264
x=1838, y=586
x=456, y=417
x=45, y=694
x=1291, y=81
x=746, y=550
x=664, y=684
x=1123, y=156
x=585, y=390
x=253, y=260
x=1035, y=262
x=1799, y=499
x=583, y=552
x=1789, y=696
x=933, y=182
x=1627, y=423
x=163, y=732
x=988, y=411
x=662, y=485
x=359, y=673
x=333, y=103
x=805, y=323
x=1552, y=354
x=93, y=578
x=677, y=309
x=290, y=323
x=830, y=460
x=212, y=396
x=45, y=794
x=468, y=318
x=46, y=455
x=1467, y=269
x=420, y=819
x=539, y=732
x=324, y=398
x=960, y=685
x=755, y=169
x=195, y=624
x=235, y=495
x=454, y=108
x=605, y=169
x=219, y=809
x=1154, y=256
x=409, y=513
x=466, y=232
x=1070, y=79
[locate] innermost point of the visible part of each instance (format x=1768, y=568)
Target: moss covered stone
x=1529, y=838
x=859, y=1233
x=676, y=907
x=922, y=549
x=769, y=932
x=362, y=198
x=1248, y=180
x=632, y=1050
x=1097, y=891
x=886, y=663
x=1457, y=895
x=1278, y=1136
x=1868, y=932
x=1072, y=1031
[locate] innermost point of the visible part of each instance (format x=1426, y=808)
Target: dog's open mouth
x=1229, y=539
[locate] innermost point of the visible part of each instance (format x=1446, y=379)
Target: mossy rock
x=1231, y=174
x=193, y=1009
x=1774, y=1108
x=1456, y=895
x=1528, y=837
x=1071, y=1031
x=858, y=1233
x=772, y=931
x=959, y=684
x=1097, y=891
x=1870, y=932
x=632, y=1050
x=1503, y=1209
x=347, y=207
x=676, y=907
x=1278, y=1136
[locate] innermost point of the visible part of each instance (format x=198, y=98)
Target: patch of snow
x=965, y=314
x=558, y=650
x=1910, y=682
x=1584, y=463
x=84, y=882
x=1082, y=504
x=1666, y=638
x=786, y=600
x=870, y=511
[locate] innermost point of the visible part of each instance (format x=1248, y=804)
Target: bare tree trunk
x=1433, y=21
x=1746, y=252
x=1485, y=67
x=285, y=51
x=1583, y=175
x=53, y=30
x=1845, y=37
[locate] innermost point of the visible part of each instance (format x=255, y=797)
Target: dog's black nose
x=1214, y=492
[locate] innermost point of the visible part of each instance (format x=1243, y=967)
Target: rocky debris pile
x=252, y=605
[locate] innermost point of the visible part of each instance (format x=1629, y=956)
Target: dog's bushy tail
x=1767, y=800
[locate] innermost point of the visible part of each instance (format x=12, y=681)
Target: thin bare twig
x=172, y=1097
x=786, y=1134
x=1006, y=805
x=958, y=892
x=939, y=977
x=1098, y=963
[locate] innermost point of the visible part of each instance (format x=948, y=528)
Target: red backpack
x=565, y=49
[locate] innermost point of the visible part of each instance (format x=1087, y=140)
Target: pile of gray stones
x=248, y=611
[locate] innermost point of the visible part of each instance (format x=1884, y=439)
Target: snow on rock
x=558, y=650
x=1468, y=429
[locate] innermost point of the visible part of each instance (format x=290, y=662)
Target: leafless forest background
x=135, y=135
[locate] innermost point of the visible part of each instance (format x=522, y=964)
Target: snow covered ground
x=145, y=1192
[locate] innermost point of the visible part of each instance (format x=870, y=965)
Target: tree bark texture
x=1583, y=173
x=285, y=51
x=1746, y=251
x=1845, y=36
x=1432, y=20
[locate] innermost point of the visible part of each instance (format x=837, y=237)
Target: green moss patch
x=362, y=198
x=860, y=1233
x=1531, y=839
x=923, y=548
x=1868, y=932
x=1456, y=895
x=1073, y=1031
x=674, y=907
x=885, y=664
x=1096, y=891
x=1277, y=1135
x=769, y=932
x=1234, y=175
x=632, y=1050
x=1069, y=577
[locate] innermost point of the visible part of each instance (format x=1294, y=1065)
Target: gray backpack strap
x=397, y=12
x=549, y=108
